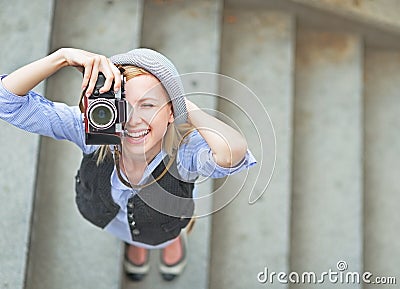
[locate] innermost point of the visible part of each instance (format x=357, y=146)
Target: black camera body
x=104, y=114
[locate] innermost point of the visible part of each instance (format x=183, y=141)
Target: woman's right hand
x=91, y=64
x=24, y=79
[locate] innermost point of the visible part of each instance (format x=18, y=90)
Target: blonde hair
x=173, y=138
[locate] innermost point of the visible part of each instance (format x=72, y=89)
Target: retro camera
x=104, y=114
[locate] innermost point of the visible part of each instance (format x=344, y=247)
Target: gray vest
x=147, y=224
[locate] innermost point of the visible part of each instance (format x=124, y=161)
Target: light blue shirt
x=36, y=114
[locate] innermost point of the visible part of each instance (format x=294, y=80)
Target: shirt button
x=135, y=232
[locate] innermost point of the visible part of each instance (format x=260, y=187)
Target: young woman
x=141, y=191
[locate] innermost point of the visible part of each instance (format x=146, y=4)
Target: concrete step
x=67, y=251
x=20, y=149
x=382, y=169
x=188, y=33
x=327, y=214
x=257, y=50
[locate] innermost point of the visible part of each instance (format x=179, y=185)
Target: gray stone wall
x=20, y=43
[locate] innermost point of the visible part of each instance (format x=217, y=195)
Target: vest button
x=132, y=224
x=136, y=232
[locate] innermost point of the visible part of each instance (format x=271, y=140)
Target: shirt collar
x=116, y=183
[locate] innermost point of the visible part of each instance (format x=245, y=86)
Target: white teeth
x=139, y=133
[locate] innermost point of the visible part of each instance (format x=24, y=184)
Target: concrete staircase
x=329, y=81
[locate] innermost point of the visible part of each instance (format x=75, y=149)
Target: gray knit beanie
x=162, y=68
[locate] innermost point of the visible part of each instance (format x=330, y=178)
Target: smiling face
x=149, y=115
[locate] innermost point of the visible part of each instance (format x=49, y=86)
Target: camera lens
x=102, y=114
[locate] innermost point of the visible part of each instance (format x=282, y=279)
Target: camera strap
x=117, y=156
x=81, y=104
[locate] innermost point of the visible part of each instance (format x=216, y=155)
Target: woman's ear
x=171, y=117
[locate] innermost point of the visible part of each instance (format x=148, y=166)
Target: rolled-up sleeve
x=195, y=159
x=36, y=114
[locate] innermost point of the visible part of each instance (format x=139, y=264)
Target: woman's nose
x=134, y=118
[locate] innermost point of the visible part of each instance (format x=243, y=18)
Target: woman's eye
x=147, y=105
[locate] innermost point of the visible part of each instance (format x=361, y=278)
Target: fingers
x=87, y=72
x=111, y=73
x=92, y=65
x=94, y=72
x=117, y=76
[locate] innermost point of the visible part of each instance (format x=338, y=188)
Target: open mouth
x=137, y=134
